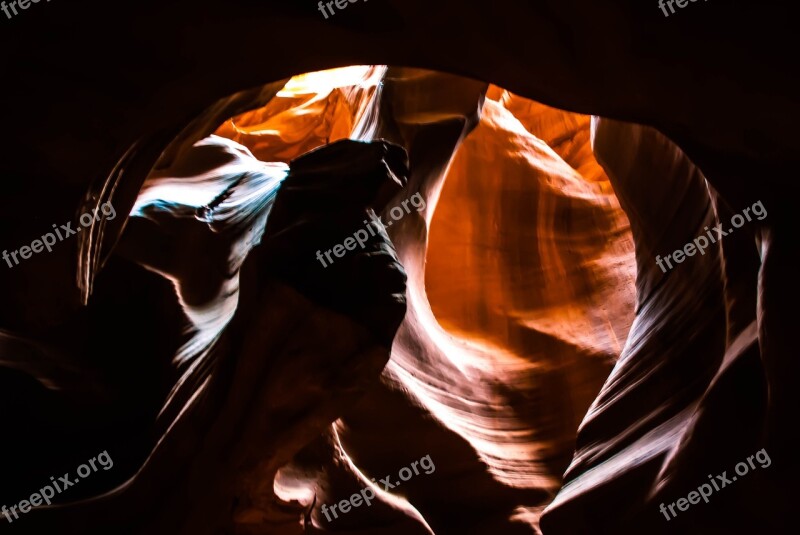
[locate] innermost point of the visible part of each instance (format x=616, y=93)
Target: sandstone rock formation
x=561, y=381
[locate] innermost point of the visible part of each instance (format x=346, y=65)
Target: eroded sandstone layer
x=519, y=367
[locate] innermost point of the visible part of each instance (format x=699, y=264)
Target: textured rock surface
x=688, y=396
x=276, y=353
x=650, y=430
x=534, y=257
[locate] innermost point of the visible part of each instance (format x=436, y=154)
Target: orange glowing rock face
x=568, y=134
x=531, y=258
x=526, y=241
x=311, y=110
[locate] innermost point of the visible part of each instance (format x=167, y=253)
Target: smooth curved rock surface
x=717, y=372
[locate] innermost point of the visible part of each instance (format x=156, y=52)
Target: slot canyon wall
x=516, y=328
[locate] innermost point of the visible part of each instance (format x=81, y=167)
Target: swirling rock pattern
x=78, y=100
